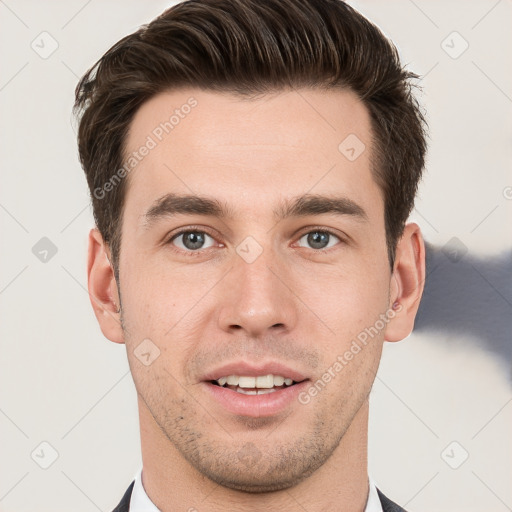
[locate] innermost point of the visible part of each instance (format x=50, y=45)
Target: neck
x=173, y=484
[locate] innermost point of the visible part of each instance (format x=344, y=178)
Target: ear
x=407, y=283
x=102, y=286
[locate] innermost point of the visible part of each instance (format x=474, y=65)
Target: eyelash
x=200, y=229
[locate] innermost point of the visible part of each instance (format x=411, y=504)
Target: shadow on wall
x=468, y=295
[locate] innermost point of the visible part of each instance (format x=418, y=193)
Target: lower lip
x=256, y=406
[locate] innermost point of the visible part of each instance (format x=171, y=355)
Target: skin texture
x=295, y=304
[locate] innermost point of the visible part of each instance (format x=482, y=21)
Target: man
x=252, y=166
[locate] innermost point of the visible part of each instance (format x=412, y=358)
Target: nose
x=257, y=298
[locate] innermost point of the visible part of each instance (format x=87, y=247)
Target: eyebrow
x=171, y=204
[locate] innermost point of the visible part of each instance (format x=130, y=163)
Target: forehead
x=251, y=153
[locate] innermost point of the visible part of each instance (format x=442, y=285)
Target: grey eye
x=191, y=240
x=319, y=239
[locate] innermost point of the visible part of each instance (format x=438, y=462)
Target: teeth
x=254, y=391
x=263, y=382
x=278, y=380
x=247, y=382
x=247, y=391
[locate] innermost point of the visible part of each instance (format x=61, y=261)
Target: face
x=253, y=281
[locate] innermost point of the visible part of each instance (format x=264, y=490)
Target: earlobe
x=102, y=285
x=407, y=283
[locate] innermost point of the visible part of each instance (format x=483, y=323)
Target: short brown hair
x=249, y=48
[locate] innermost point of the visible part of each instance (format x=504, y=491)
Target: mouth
x=247, y=390
x=255, y=385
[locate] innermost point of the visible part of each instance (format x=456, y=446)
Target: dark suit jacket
x=387, y=504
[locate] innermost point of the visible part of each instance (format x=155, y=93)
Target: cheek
x=156, y=297
x=346, y=299
x=161, y=305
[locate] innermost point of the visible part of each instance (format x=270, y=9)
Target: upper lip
x=253, y=370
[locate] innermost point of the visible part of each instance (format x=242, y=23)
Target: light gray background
x=62, y=383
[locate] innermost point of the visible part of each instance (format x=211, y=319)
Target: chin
x=266, y=474
x=258, y=483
